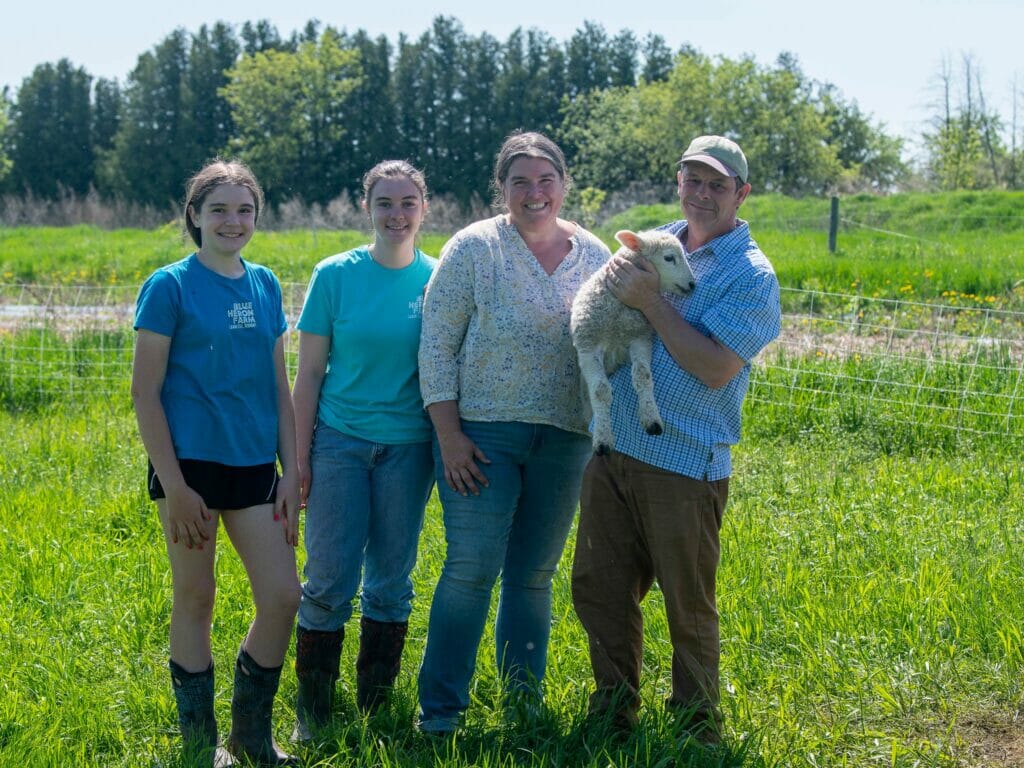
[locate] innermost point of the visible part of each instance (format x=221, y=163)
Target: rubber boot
x=378, y=662
x=193, y=692
x=252, y=705
x=317, y=659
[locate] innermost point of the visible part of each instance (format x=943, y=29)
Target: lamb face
x=665, y=252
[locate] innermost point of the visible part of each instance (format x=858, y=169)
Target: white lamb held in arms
x=606, y=332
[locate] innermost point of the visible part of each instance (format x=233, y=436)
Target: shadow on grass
x=540, y=739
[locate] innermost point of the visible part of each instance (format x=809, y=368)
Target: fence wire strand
x=941, y=365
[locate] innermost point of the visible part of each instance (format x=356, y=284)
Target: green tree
x=51, y=144
x=869, y=158
x=482, y=134
x=371, y=124
x=208, y=123
x=5, y=122
x=622, y=59
x=796, y=141
x=414, y=102
x=150, y=157
x=778, y=124
x=657, y=58
x=588, y=55
x=530, y=84
x=106, y=113
x=963, y=148
x=290, y=112
x=261, y=37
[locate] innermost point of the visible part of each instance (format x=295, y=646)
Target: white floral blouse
x=496, y=328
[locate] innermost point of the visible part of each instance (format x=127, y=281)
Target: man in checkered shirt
x=652, y=508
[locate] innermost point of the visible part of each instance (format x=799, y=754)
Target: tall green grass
x=870, y=602
x=870, y=583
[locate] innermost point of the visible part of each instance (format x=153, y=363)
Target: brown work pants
x=639, y=523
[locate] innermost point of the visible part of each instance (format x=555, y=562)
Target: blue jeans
x=516, y=527
x=365, y=504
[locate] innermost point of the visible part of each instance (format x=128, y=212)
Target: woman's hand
x=459, y=455
x=286, y=506
x=187, y=516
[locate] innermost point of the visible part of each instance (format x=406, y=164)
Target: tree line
x=312, y=111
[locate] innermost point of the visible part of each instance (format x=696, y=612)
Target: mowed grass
x=965, y=248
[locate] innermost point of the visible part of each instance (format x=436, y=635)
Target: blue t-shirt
x=737, y=302
x=220, y=391
x=372, y=315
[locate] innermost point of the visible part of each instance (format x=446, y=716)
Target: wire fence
x=932, y=366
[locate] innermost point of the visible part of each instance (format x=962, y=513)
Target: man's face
x=710, y=199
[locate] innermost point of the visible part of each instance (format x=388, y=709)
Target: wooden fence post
x=833, y=225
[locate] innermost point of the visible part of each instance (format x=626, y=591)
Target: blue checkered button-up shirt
x=736, y=301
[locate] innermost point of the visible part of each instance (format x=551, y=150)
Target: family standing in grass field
x=459, y=374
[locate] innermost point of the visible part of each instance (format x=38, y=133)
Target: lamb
x=606, y=332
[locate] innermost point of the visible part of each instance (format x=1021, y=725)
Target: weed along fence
x=903, y=370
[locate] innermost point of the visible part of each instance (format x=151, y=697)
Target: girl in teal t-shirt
x=364, y=454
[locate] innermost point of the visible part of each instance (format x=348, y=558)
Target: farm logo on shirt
x=416, y=308
x=241, y=315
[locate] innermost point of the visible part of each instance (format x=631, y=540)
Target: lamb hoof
x=602, y=449
x=654, y=428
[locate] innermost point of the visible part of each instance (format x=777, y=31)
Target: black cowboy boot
x=193, y=692
x=317, y=657
x=379, y=661
x=252, y=705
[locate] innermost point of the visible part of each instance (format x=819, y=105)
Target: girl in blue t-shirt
x=363, y=447
x=211, y=396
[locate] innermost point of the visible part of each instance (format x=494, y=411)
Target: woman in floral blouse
x=500, y=382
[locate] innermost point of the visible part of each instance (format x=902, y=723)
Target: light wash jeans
x=517, y=528
x=366, y=504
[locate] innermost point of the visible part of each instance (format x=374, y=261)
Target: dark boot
x=317, y=658
x=379, y=661
x=252, y=705
x=193, y=692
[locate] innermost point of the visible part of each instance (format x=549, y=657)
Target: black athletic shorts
x=222, y=486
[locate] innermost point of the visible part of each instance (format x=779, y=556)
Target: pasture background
x=870, y=587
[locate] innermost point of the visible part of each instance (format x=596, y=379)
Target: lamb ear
x=628, y=239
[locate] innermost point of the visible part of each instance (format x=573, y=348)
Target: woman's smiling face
x=534, y=192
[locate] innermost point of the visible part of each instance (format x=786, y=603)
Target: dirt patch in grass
x=994, y=740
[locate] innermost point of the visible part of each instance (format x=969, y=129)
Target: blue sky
x=883, y=54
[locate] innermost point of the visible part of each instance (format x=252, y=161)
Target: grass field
x=871, y=582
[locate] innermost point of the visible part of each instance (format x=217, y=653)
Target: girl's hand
x=187, y=516
x=459, y=455
x=286, y=506
x=305, y=479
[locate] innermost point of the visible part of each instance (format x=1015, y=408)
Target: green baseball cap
x=722, y=154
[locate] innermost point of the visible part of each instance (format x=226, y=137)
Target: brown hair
x=216, y=172
x=526, y=144
x=390, y=169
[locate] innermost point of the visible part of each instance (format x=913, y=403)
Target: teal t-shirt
x=372, y=315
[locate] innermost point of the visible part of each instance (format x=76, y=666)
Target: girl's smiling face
x=396, y=208
x=226, y=219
